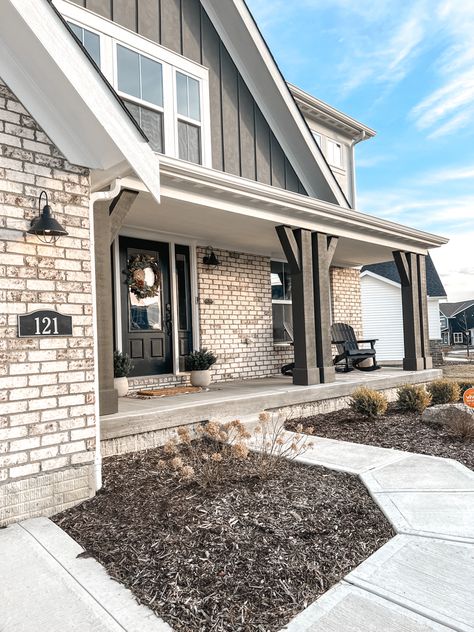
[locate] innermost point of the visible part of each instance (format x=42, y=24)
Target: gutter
x=112, y=193
x=359, y=138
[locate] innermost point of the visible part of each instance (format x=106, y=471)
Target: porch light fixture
x=45, y=227
x=210, y=258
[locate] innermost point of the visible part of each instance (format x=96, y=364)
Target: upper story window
x=140, y=82
x=334, y=153
x=166, y=93
x=90, y=41
x=188, y=117
x=318, y=139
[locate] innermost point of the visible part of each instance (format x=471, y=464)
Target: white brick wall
x=235, y=306
x=346, y=301
x=46, y=385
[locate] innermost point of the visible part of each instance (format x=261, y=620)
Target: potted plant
x=199, y=363
x=122, y=367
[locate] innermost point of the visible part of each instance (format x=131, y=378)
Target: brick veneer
x=236, y=313
x=346, y=301
x=47, y=423
x=235, y=306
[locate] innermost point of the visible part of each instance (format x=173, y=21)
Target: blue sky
x=406, y=69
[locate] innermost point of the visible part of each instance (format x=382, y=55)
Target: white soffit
x=237, y=29
x=49, y=73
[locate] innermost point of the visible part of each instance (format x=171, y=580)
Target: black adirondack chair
x=348, y=350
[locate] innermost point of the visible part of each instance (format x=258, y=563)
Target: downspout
x=360, y=137
x=111, y=194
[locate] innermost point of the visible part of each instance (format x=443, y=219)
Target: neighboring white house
x=382, y=307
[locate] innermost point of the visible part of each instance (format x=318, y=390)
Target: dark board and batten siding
x=242, y=141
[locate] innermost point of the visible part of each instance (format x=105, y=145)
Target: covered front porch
x=145, y=423
x=252, y=224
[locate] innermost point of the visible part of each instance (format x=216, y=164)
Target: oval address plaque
x=44, y=322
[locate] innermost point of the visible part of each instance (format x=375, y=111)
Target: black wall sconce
x=210, y=258
x=45, y=227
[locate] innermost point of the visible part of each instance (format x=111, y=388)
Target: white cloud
x=450, y=106
x=454, y=263
x=451, y=174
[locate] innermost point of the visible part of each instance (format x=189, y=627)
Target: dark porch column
x=412, y=270
x=297, y=247
x=323, y=253
x=108, y=218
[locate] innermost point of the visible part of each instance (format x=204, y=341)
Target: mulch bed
x=243, y=556
x=403, y=431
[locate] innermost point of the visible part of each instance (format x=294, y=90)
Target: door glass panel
x=145, y=312
x=183, y=289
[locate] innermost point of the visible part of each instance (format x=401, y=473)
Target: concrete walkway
x=420, y=581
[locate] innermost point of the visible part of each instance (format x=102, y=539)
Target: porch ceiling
x=230, y=212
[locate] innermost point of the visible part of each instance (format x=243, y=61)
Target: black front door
x=146, y=305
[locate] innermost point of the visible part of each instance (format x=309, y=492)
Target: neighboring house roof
x=388, y=270
x=42, y=64
x=451, y=309
x=244, y=41
x=328, y=114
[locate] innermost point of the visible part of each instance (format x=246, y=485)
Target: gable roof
x=49, y=73
x=451, y=309
x=240, y=34
x=388, y=270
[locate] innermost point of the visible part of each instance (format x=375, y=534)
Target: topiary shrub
x=200, y=360
x=413, y=398
x=463, y=387
x=369, y=403
x=122, y=364
x=443, y=392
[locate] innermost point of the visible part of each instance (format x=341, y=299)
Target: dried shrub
x=443, y=392
x=461, y=426
x=369, y=403
x=413, y=398
x=212, y=459
x=273, y=443
x=463, y=387
x=209, y=459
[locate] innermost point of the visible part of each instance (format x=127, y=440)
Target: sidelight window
x=281, y=302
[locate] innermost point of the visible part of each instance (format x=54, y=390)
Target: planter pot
x=201, y=378
x=121, y=386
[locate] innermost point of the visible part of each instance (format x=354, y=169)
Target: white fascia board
x=53, y=78
x=237, y=29
x=198, y=184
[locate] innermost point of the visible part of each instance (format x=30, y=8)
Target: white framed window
x=281, y=302
x=318, y=138
x=89, y=39
x=334, y=153
x=458, y=338
x=133, y=71
x=188, y=117
x=139, y=81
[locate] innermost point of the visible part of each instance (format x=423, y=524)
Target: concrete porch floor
x=237, y=399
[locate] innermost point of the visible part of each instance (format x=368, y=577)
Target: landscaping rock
x=446, y=414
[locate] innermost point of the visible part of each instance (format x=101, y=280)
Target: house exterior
x=164, y=133
x=382, y=315
x=457, y=322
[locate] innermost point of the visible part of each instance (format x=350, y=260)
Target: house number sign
x=44, y=323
